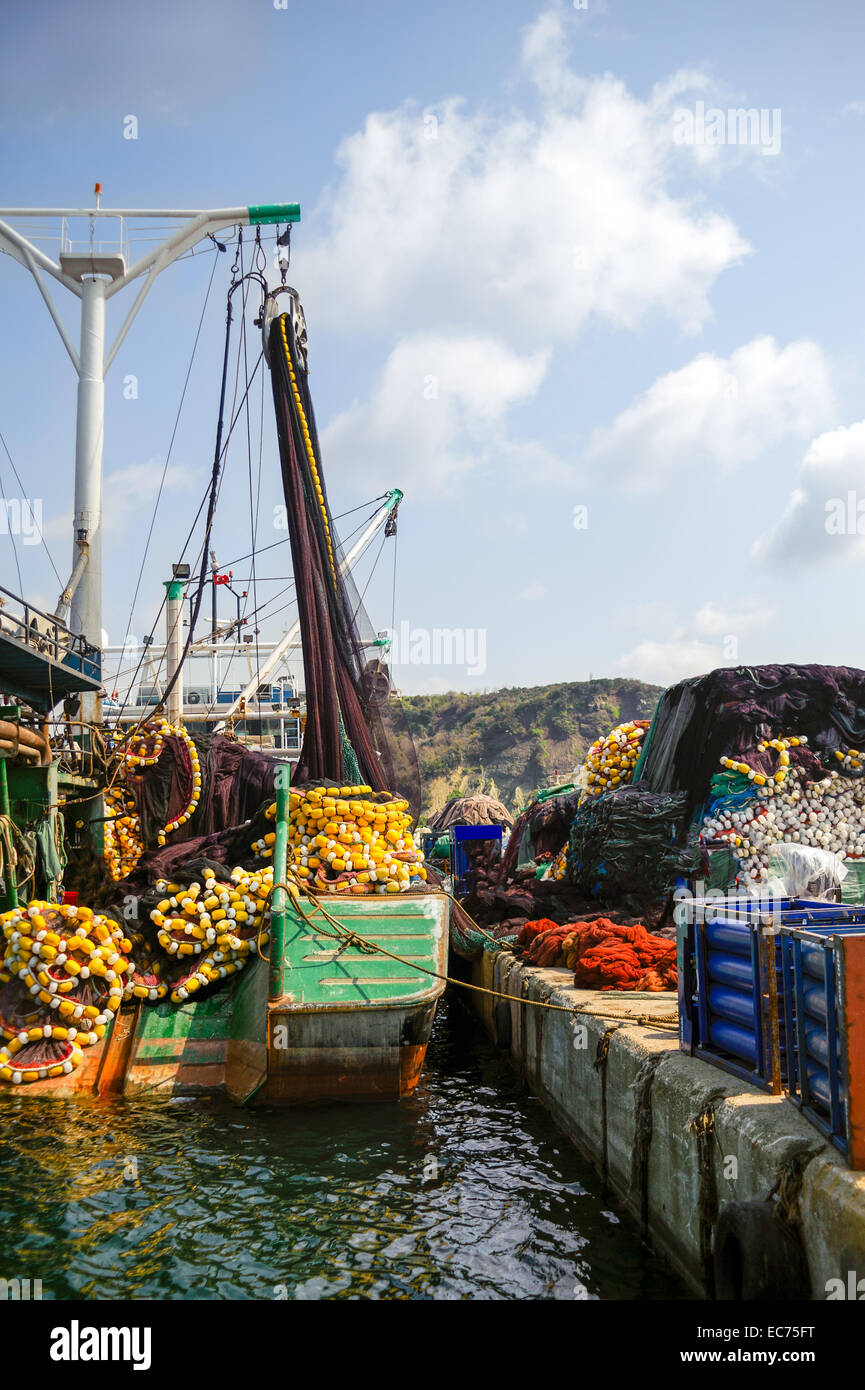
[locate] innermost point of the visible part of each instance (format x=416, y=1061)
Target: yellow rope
x=354, y=938
x=310, y=452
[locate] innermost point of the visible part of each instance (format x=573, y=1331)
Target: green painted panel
x=208, y=1018
x=32, y=790
x=319, y=968
x=249, y=1015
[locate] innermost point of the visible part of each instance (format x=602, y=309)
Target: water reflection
x=466, y=1190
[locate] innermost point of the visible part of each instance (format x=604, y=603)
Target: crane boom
x=289, y=638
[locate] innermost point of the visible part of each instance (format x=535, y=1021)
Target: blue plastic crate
x=824, y=1007
x=461, y=862
x=730, y=1001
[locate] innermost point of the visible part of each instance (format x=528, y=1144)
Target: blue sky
x=525, y=294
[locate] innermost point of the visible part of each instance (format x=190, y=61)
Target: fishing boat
x=339, y=1005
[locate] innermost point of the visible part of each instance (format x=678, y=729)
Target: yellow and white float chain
x=827, y=814
x=611, y=760
x=123, y=843
x=218, y=922
x=51, y=948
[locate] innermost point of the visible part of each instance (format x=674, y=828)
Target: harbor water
x=467, y=1190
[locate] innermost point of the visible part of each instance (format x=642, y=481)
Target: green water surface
x=467, y=1190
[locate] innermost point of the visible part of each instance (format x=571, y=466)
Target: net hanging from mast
x=354, y=719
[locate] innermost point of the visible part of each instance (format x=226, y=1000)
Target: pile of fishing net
x=163, y=782
x=625, y=843
x=541, y=829
x=209, y=930
x=356, y=729
x=348, y=839
x=780, y=794
x=603, y=954
x=140, y=748
x=64, y=973
x=472, y=810
x=728, y=713
x=611, y=760
x=507, y=892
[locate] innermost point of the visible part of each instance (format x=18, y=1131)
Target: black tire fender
x=758, y=1257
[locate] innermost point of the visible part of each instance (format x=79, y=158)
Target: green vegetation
x=509, y=742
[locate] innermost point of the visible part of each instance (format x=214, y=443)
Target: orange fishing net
x=603, y=955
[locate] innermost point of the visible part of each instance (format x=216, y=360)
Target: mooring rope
x=352, y=938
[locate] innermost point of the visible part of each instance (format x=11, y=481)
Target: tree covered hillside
x=510, y=742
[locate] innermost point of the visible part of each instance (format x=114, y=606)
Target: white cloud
x=714, y=621
x=688, y=650
x=717, y=411
x=519, y=224
x=665, y=663
x=822, y=520
x=533, y=593
x=130, y=492
x=437, y=410
x=506, y=525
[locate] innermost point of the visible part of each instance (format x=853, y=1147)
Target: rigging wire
x=170, y=448
x=32, y=513
x=202, y=552
x=12, y=540
x=337, y=517
x=253, y=516
x=369, y=579
x=259, y=267
x=291, y=584
x=218, y=477
x=218, y=473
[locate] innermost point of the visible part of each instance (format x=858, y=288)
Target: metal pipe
x=20, y=750
x=5, y=810
x=278, y=902
x=50, y=306
x=214, y=630
x=24, y=251
x=86, y=614
x=16, y=733
x=284, y=212
x=69, y=592
x=174, y=647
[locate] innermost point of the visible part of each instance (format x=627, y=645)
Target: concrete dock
x=675, y=1138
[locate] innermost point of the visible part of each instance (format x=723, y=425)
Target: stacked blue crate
x=731, y=980
x=823, y=1007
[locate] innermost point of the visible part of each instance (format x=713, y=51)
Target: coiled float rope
x=65, y=962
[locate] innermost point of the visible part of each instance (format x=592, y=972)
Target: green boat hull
x=326, y=1020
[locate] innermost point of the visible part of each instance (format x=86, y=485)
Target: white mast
x=94, y=277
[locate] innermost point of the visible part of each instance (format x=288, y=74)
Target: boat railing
x=80, y=748
x=46, y=634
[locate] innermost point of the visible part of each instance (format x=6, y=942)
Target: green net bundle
x=625, y=842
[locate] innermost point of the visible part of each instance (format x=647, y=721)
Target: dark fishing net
x=18, y=1009
x=349, y=695
x=624, y=843
x=729, y=711
x=235, y=780
x=471, y=810
x=45, y=1052
x=542, y=828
